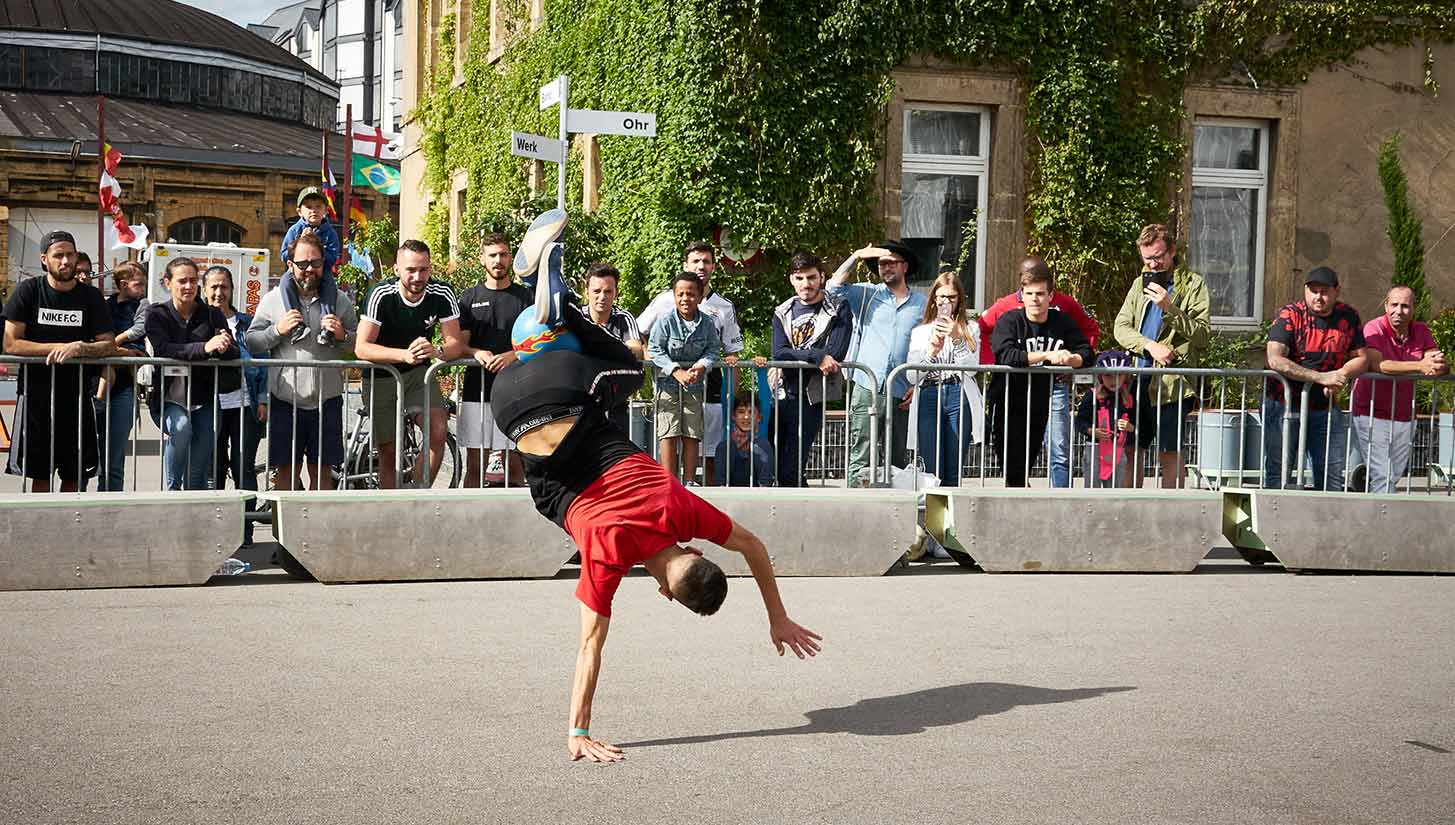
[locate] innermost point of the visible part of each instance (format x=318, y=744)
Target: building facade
x=356, y=43
x=1277, y=180
x=216, y=140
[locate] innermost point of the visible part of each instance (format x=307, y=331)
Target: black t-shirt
x=552, y=386
x=400, y=322
x=486, y=316
x=1015, y=335
x=1317, y=343
x=54, y=317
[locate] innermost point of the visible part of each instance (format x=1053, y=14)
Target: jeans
x=1326, y=436
x=187, y=452
x=1058, y=434
x=859, y=434
x=113, y=427
x=797, y=423
x=941, y=440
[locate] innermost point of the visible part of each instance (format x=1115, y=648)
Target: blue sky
x=241, y=12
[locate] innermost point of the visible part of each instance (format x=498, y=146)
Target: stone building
x=218, y=129
x=1279, y=180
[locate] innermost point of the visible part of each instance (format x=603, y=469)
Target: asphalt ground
x=1231, y=695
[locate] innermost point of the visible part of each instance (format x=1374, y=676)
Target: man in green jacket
x=1166, y=319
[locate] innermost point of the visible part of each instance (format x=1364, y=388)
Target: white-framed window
x=943, y=190
x=349, y=17
x=350, y=60
x=1230, y=215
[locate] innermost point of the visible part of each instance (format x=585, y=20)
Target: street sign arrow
x=550, y=94
x=536, y=147
x=634, y=124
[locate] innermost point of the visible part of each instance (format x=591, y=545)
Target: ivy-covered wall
x=771, y=116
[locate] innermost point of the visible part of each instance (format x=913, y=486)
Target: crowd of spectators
x=851, y=338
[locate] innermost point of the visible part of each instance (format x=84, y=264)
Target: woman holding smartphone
x=945, y=396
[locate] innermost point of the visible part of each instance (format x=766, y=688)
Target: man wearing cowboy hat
x=884, y=315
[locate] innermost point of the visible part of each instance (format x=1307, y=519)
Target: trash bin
x=1218, y=445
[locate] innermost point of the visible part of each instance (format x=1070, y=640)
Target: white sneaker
x=495, y=470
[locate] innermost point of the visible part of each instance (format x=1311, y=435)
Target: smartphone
x=944, y=311
x=1162, y=279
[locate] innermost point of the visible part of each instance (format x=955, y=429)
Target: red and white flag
x=375, y=143
x=120, y=234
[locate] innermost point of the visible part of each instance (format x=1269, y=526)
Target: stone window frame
x=1240, y=179
x=1279, y=108
x=1003, y=234
x=500, y=31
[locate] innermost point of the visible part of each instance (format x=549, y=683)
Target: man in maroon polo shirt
x=1383, y=410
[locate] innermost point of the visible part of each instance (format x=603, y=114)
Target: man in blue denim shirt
x=686, y=337
x=884, y=314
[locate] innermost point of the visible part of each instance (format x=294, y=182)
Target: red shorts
x=629, y=514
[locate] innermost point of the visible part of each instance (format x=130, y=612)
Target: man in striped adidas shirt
x=399, y=318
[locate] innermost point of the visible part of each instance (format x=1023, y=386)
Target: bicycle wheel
x=450, y=467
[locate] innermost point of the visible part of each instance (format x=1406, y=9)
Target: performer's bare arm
x=783, y=630
x=588, y=666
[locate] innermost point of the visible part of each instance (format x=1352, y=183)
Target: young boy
x=1026, y=338
x=682, y=338
x=745, y=459
x=312, y=214
x=1116, y=423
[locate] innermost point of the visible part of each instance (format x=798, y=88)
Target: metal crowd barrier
x=1216, y=451
x=97, y=404
x=1403, y=430
x=642, y=417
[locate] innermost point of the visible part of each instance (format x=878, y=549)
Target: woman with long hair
x=946, y=336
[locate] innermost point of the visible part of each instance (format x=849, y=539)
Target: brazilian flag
x=374, y=174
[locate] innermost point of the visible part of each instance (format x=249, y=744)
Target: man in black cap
x=1318, y=342
x=884, y=315
x=59, y=319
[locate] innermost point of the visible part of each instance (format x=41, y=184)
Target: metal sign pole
x=565, y=84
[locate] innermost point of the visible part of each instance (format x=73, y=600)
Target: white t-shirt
x=238, y=398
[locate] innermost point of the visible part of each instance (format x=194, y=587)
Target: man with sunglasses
x=298, y=395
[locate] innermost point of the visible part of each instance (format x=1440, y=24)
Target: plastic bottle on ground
x=233, y=567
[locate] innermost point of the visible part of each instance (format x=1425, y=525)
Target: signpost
x=557, y=93
x=537, y=147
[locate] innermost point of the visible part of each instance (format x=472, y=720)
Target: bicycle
x=360, y=470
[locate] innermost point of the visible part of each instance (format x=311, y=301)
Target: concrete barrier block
x=1343, y=531
x=64, y=540
x=413, y=535
x=818, y=532
x=1076, y=531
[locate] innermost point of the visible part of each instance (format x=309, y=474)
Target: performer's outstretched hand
x=593, y=749
x=785, y=631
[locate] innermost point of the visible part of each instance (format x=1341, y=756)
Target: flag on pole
x=372, y=173
x=356, y=213
x=120, y=233
x=330, y=190
x=376, y=144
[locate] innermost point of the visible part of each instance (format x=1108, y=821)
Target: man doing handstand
x=621, y=507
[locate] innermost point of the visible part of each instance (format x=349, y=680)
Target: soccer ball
x=530, y=338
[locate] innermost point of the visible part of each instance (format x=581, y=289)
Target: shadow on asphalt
x=907, y=713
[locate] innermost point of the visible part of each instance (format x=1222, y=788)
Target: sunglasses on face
x=316, y=263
